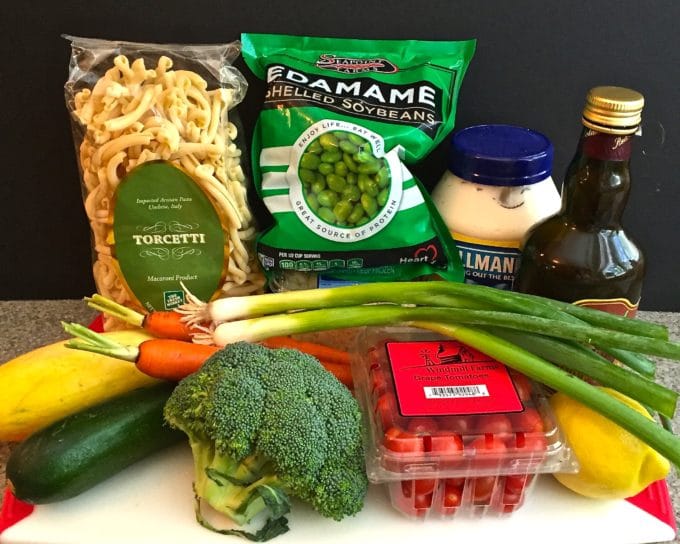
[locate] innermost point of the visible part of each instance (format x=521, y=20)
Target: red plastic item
x=13, y=510
x=656, y=500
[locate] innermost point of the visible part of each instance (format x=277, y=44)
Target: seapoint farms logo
x=349, y=65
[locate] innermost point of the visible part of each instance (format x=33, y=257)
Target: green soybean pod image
x=338, y=191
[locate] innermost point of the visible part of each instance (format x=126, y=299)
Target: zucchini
x=85, y=448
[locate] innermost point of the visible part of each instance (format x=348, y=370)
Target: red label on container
x=437, y=378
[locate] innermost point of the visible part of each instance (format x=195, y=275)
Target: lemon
x=614, y=464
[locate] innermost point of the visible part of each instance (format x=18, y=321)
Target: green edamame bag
x=341, y=119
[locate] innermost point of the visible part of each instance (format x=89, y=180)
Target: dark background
x=533, y=65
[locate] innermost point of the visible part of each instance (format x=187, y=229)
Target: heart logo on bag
x=429, y=251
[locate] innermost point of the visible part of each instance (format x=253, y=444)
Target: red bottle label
x=436, y=378
x=618, y=306
x=607, y=147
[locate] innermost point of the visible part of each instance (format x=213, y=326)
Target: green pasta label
x=340, y=123
x=167, y=233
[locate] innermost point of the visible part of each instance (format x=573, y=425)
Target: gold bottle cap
x=614, y=110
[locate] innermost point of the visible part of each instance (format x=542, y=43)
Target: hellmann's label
x=491, y=263
x=618, y=306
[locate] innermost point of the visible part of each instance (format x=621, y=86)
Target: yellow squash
x=614, y=464
x=51, y=382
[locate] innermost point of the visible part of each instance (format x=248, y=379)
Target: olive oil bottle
x=583, y=254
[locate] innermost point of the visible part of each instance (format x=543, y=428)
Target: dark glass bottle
x=583, y=254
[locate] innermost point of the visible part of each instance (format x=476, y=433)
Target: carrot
x=166, y=358
x=341, y=371
x=336, y=361
x=167, y=324
x=320, y=351
x=162, y=324
x=171, y=359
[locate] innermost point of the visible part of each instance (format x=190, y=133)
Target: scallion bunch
x=555, y=343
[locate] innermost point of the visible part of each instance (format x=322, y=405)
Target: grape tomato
x=385, y=409
x=379, y=382
x=445, y=443
x=423, y=500
x=460, y=424
x=488, y=444
x=425, y=486
x=498, y=424
x=453, y=496
x=402, y=441
x=528, y=421
x=422, y=425
x=515, y=483
x=482, y=488
x=531, y=443
x=522, y=385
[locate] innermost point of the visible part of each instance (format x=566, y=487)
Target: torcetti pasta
x=163, y=185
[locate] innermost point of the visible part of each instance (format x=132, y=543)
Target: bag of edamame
x=341, y=119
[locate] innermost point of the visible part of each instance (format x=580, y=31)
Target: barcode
x=457, y=391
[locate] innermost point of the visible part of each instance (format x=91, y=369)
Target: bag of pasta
x=160, y=162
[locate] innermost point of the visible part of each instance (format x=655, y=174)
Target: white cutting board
x=152, y=502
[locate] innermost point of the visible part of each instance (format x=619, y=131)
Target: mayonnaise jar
x=497, y=186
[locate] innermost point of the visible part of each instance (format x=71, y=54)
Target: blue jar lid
x=500, y=155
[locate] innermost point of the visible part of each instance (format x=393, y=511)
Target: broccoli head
x=263, y=425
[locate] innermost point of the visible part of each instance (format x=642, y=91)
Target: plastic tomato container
x=449, y=430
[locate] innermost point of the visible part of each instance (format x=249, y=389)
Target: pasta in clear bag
x=159, y=150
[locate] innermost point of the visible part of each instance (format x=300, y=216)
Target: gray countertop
x=25, y=325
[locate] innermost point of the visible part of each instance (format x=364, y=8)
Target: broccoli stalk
x=264, y=425
x=242, y=489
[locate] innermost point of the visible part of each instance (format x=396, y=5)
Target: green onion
x=641, y=364
x=604, y=319
x=664, y=442
x=607, y=320
x=355, y=316
x=635, y=361
x=411, y=293
x=666, y=423
x=585, y=362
